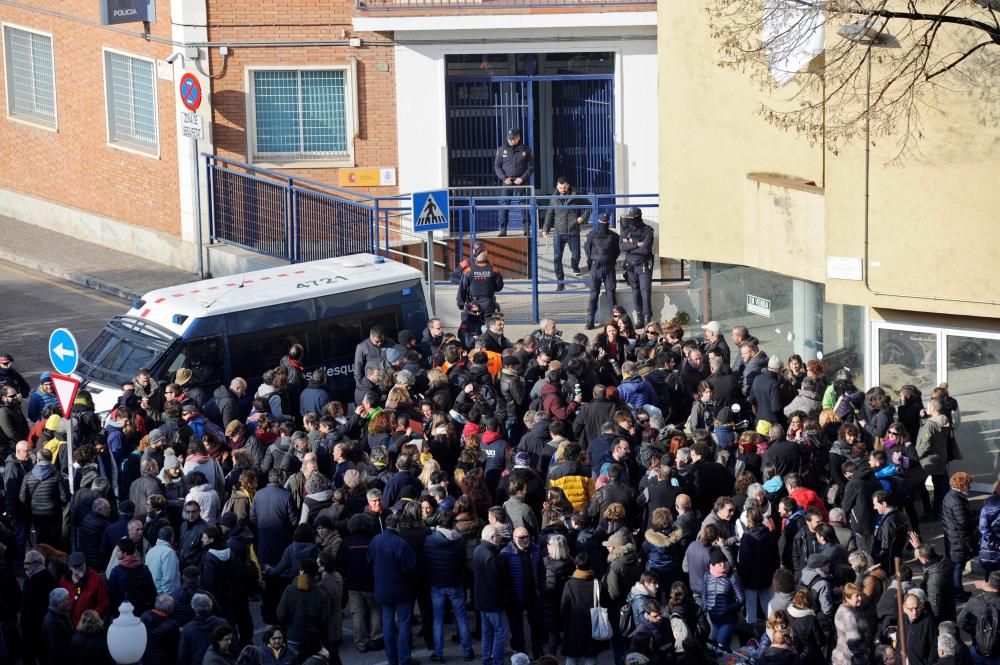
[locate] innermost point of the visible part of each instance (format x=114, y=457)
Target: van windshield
x=124, y=346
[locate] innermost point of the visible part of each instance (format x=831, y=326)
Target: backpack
x=626, y=622
x=809, y=587
x=988, y=631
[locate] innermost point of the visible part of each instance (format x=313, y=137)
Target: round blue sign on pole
x=63, y=351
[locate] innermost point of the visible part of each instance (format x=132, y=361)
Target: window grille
x=30, y=76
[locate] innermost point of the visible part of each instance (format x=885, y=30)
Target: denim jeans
x=722, y=633
x=396, y=621
x=753, y=596
x=562, y=241
x=495, y=635
x=456, y=596
x=979, y=659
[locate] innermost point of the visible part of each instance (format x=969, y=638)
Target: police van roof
x=176, y=307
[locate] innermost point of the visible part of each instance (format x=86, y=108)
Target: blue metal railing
x=296, y=219
x=289, y=218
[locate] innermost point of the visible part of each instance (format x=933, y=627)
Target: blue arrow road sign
x=430, y=210
x=63, y=351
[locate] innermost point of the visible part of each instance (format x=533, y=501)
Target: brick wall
x=303, y=20
x=75, y=166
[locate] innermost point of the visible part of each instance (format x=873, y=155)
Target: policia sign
x=127, y=11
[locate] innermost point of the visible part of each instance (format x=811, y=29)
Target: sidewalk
x=94, y=266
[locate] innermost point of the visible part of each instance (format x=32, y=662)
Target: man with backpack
x=980, y=620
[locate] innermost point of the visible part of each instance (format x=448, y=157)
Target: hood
x=660, y=539
x=43, y=470
x=798, y=613
x=320, y=496
x=450, y=534
x=808, y=394
x=264, y=390
x=490, y=437
x=221, y=555
x=221, y=393
x=638, y=589
x=840, y=448
x=774, y=484
x=809, y=575
x=887, y=471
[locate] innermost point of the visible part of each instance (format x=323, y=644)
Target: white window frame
x=125, y=147
x=24, y=119
x=350, y=70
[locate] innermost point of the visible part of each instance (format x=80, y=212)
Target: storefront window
x=974, y=381
x=787, y=315
x=907, y=357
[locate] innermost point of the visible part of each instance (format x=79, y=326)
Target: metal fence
x=288, y=218
x=302, y=220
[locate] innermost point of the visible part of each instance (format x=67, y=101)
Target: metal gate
x=583, y=126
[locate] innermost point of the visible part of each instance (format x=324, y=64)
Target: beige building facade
x=780, y=240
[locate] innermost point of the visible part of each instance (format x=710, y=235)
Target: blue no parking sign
x=63, y=351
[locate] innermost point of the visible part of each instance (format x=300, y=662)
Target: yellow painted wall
x=934, y=219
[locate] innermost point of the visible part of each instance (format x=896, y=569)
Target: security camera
x=173, y=57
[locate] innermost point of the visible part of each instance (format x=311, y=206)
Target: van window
x=255, y=352
x=342, y=334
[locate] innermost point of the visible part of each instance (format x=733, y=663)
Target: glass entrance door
x=968, y=361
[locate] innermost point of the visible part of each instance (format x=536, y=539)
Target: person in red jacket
x=87, y=590
x=803, y=496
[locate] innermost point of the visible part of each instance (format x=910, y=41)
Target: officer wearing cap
x=479, y=283
x=602, y=250
x=514, y=165
x=637, y=248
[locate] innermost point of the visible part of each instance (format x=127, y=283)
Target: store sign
x=844, y=267
x=127, y=11
x=759, y=306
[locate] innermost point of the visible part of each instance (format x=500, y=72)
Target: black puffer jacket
x=564, y=211
x=44, y=491
x=557, y=571
x=959, y=526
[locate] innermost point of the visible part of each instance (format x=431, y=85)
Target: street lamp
x=127, y=636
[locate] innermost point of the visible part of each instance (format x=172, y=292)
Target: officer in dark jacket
x=637, y=247
x=514, y=165
x=567, y=213
x=479, y=283
x=602, y=250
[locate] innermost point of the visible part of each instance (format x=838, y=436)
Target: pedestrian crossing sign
x=430, y=210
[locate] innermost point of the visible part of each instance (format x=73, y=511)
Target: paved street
x=37, y=303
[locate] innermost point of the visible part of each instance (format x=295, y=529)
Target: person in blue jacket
x=394, y=562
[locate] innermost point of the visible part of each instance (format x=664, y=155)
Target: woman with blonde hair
x=90, y=645
x=429, y=468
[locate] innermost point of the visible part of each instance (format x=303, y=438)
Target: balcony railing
x=498, y=4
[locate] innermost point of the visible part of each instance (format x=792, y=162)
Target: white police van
x=242, y=325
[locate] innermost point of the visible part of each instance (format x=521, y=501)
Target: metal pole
x=430, y=272
x=197, y=208
x=900, y=618
x=69, y=452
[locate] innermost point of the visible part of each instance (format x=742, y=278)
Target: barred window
x=30, y=76
x=301, y=114
x=130, y=85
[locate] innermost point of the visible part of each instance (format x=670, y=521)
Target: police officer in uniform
x=514, y=165
x=602, y=250
x=637, y=248
x=479, y=284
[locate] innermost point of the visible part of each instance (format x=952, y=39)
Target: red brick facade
x=74, y=166
x=315, y=20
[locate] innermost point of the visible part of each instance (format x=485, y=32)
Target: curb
x=88, y=281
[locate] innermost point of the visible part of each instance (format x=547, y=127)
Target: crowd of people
x=663, y=496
